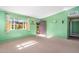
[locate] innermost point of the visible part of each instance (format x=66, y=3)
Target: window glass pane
x=75, y=27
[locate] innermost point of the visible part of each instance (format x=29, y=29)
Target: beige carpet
x=40, y=45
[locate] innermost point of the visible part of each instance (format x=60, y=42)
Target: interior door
x=42, y=27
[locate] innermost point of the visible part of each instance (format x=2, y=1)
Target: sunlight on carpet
x=26, y=44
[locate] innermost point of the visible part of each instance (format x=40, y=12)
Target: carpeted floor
x=40, y=45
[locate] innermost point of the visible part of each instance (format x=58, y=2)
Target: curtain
x=8, y=23
x=28, y=24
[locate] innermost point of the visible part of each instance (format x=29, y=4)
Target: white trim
x=75, y=20
x=70, y=28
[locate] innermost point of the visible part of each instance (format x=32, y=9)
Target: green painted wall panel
x=74, y=9
x=4, y=36
x=55, y=27
x=2, y=25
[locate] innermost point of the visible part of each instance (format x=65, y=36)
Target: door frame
x=70, y=26
x=45, y=27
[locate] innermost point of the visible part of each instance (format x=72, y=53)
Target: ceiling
x=35, y=11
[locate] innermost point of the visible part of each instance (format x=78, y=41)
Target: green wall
x=4, y=36
x=57, y=25
x=2, y=25
x=76, y=8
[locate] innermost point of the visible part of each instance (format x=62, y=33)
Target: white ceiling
x=35, y=11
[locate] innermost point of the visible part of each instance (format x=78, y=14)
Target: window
x=16, y=24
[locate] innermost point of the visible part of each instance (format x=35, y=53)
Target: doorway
x=74, y=27
x=41, y=27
